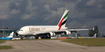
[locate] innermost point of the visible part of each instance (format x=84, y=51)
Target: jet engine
x=16, y=34
x=52, y=34
x=67, y=32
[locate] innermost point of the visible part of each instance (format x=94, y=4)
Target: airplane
x=49, y=31
x=94, y=35
x=8, y=38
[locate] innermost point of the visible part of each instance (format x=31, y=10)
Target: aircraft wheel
x=21, y=37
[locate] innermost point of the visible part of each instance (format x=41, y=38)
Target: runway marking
x=44, y=44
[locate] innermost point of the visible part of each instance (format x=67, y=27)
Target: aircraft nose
x=19, y=32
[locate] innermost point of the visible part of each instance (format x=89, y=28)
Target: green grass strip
x=87, y=42
x=5, y=47
x=2, y=41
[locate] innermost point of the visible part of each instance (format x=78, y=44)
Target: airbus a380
x=48, y=30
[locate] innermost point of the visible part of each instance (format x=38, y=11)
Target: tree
x=96, y=31
x=93, y=31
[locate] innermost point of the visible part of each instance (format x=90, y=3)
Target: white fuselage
x=33, y=30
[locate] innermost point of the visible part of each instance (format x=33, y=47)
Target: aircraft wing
x=63, y=30
x=43, y=32
x=77, y=29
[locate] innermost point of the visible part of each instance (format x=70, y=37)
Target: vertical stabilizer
x=11, y=35
x=94, y=35
x=63, y=20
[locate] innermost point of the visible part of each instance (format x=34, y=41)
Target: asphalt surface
x=48, y=46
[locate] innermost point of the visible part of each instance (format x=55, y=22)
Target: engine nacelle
x=52, y=34
x=67, y=32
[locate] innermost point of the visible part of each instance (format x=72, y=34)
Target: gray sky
x=83, y=13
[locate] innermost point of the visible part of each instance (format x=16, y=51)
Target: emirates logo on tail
x=63, y=20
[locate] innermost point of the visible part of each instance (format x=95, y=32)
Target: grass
x=2, y=41
x=87, y=42
x=4, y=47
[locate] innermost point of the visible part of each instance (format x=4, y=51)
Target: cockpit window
x=20, y=30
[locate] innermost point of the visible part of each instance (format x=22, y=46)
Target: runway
x=48, y=46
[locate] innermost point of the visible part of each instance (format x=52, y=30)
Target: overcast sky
x=83, y=13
